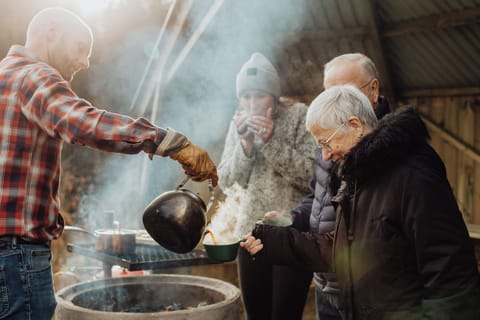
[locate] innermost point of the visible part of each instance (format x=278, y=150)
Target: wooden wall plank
x=457, y=144
x=450, y=121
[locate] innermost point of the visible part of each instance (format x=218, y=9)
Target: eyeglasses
x=366, y=84
x=325, y=144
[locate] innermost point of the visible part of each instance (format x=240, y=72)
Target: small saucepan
x=113, y=241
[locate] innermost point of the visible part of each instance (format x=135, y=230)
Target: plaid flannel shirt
x=38, y=112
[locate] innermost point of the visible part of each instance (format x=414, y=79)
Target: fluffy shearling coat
x=276, y=176
x=401, y=248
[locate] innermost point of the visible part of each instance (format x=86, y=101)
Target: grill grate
x=146, y=257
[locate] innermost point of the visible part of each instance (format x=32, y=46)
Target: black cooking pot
x=176, y=219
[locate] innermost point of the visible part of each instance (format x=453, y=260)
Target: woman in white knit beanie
x=269, y=153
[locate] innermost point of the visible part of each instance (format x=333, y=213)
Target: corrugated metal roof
x=415, y=44
x=443, y=53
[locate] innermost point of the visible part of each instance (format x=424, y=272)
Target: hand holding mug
x=262, y=125
x=251, y=244
x=279, y=219
x=240, y=120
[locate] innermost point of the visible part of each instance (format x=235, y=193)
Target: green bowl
x=222, y=252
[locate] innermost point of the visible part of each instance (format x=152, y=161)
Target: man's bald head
x=61, y=39
x=55, y=17
x=355, y=69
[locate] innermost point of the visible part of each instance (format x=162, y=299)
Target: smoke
x=199, y=101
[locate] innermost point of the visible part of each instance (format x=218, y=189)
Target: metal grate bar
x=146, y=257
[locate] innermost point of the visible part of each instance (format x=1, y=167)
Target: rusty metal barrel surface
x=160, y=296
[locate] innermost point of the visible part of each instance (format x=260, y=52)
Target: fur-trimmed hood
x=396, y=136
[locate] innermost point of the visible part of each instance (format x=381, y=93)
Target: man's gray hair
x=364, y=62
x=336, y=105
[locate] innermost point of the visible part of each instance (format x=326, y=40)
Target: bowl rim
x=223, y=244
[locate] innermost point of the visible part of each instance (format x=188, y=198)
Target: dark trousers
x=328, y=306
x=271, y=292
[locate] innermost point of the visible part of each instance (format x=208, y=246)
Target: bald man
x=38, y=113
x=358, y=70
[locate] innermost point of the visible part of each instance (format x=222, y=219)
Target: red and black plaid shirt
x=38, y=112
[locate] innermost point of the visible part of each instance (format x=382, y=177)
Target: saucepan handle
x=73, y=228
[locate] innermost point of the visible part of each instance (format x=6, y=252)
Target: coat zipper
x=349, y=247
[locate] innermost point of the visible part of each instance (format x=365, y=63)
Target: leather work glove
x=195, y=161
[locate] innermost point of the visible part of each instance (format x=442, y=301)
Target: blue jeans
x=26, y=282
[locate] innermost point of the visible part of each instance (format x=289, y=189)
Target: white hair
x=336, y=105
x=365, y=63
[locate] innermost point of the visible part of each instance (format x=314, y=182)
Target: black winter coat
x=401, y=249
x=316, y=213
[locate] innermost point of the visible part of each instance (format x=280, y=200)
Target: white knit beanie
x=258, y=74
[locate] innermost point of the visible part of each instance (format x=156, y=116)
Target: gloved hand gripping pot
x=195, y=161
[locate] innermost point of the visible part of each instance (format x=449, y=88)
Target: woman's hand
x=252, y=245
x=246, y=135
x=270, y=216
x=279, y=219
x=262, y=126
x=240, y=119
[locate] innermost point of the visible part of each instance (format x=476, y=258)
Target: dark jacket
x=401, y=249
x=316, y=213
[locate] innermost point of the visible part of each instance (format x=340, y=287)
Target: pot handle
x=73, y=228
x=185, y=180
x=212, y=195
x=210, y=188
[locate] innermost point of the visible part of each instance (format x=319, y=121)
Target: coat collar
x=383, y=108
x=397, y=135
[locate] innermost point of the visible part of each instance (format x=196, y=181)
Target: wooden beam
x=453, y=19
x=148, y=66
x=379, y=58
x=450, y=138
x=437, y=92
x=392, y=29
x=473, y=231
x=325, y=35
x=193, y=39
x=174, y=27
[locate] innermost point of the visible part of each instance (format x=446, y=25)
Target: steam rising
x=199, y=101
x=224, y=222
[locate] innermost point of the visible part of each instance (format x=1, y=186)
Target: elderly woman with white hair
x=401, y=249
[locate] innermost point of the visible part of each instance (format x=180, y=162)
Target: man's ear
x=375, y=87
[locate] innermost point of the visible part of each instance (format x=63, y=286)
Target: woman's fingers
x=271, y=215
x=251, y=244
x=240, y=120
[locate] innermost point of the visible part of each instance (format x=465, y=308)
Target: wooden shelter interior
x=175, y=61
